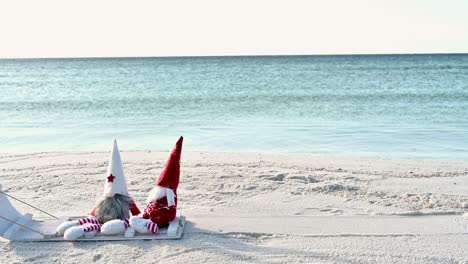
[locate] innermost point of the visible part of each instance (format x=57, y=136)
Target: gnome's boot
x=143, y=226
x=75, y=232
x=64, y=226
x=114, y=227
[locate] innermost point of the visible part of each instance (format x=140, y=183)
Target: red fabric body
x=160, y=213
x=134, y=208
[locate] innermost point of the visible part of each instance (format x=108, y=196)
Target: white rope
x=28, y=205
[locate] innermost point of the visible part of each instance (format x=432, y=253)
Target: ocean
x=380, y=106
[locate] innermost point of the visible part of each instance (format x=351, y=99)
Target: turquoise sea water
x=389, y=106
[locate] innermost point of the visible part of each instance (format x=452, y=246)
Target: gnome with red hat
x=113, y=209
x=162, y=200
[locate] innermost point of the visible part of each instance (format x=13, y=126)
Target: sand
x=258, y=208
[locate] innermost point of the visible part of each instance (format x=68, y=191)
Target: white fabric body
x=159, y=192
x=119, y=184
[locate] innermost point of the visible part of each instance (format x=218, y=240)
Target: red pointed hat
x=169, y=178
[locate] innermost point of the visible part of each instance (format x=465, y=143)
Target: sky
x=50, y=28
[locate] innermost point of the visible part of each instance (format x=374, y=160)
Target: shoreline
x=246, y=153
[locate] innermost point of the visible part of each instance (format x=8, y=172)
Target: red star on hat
x=110, y=178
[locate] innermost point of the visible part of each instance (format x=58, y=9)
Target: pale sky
x=101, y=28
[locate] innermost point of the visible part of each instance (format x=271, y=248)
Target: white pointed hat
x=115, y=178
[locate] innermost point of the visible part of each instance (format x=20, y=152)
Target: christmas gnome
x=162, y=200
x=112, y=211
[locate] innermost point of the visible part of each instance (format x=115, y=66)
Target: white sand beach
x=257, y=208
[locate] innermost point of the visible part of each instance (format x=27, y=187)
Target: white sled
x=15, y=226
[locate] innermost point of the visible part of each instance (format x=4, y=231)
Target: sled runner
x=15, y=226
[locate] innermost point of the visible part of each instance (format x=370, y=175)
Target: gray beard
x=110, y=208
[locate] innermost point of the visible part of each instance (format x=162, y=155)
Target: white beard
x=159, y=192
x=110, y=208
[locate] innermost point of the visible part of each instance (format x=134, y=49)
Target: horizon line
x=232, y=56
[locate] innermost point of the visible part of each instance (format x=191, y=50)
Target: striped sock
x=126, y=223
x=153, y=227
x=88, y=220
x=91, y=227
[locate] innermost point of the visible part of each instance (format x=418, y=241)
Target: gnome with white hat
x=112, y=210
x=162, y=200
